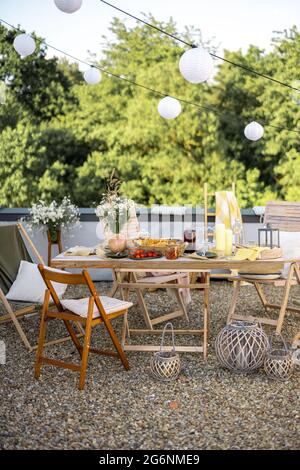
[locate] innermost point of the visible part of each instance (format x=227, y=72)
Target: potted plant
x=114, y=211
x=53, y=218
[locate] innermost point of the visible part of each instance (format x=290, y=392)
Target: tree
x=63, y=137
x=40, y=89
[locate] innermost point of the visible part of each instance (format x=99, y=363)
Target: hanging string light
x=92, y=76
x=196, y=65
x=169, y=108
x=24, y=44
x=176, y=38
x=145, y=87
x=254, y=131
x=68, y=6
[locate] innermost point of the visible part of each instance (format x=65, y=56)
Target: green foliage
x=61, y=136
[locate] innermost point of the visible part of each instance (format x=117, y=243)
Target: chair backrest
x=283, y=215
x=83, y=278
x=12, y=252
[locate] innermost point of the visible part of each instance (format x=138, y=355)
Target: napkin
x=248, y=253
x=80, y=251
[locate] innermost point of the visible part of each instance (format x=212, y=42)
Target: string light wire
x=140, y=85
x=235, y=64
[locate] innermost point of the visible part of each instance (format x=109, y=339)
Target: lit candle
x=228, y=242
x=220, y=237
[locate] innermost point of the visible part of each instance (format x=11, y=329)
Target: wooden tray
x=272, y=253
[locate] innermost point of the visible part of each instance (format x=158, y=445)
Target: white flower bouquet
x=54, y=216
x=115, y=212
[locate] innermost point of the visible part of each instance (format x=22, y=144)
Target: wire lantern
x=279, y=364
x=165, y=365
x=241, y=346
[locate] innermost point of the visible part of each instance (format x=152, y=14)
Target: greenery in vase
x=114, y=210
x=53, y=216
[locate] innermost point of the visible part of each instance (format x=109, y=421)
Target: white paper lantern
x=68, y=6
x=169, y=108
x=196, y=65
x=92, y=76
x=24, y=44
x=254, y=131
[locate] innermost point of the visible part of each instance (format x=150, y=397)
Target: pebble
x=207, y=407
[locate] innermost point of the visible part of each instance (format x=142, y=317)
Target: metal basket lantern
x=279, y=363
x=241, y=346
x=165, y=365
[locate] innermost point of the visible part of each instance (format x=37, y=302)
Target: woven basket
x=278, y=363
x=241, y=346
x=165, y=365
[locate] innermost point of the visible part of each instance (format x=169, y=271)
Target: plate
x=208, y=254
x=124, y=254
x=146, y=258
x=260, y=276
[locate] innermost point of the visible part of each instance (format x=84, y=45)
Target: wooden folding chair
x=143, y=284
x=94, y=315
x=13, y=233
x=17, y=250
x=284, y=216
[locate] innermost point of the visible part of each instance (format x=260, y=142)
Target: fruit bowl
x=144, y=253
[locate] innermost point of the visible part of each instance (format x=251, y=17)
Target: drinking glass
x=237, y=230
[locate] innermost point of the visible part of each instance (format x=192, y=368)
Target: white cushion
x=290, y=244
x=29, y=285
x=80, y=306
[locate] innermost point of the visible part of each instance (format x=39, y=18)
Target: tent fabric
x=12, y=251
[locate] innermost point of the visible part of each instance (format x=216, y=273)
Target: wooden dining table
x=184, y=264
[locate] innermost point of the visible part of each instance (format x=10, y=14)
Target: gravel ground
x=206, y=408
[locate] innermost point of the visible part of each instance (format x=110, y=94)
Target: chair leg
x=261, y=295
x=142, y=303
x=206, y=325
x=181, y=304
x=73, y=336
x=43, y=326
x=85, y=353
x=116, y=343
x=236, y=289
x=285, y=299
x=15, y=321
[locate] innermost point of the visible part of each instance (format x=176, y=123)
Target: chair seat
x=110, y=304
x=280, y=282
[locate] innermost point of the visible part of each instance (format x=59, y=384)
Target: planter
x=54, y=238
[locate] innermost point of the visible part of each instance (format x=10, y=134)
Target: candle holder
x=268, y=237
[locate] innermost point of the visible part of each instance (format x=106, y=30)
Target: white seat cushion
x=29, y=286
x=80, y=306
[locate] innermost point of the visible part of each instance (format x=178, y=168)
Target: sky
x=233, y=23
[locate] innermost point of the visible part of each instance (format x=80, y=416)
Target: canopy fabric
x=12, y=251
